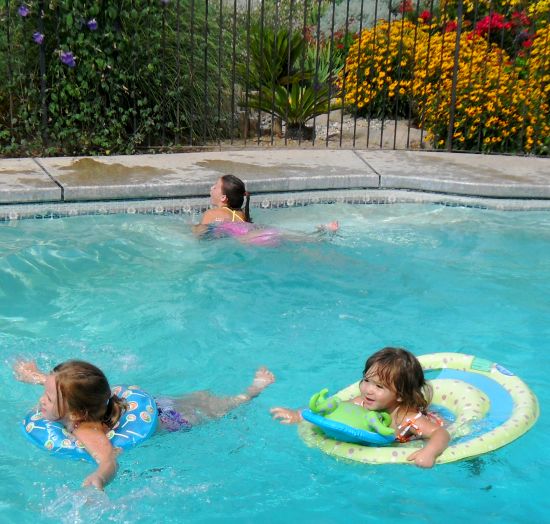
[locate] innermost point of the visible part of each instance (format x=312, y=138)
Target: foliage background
x=120, y=76
x=148, y=74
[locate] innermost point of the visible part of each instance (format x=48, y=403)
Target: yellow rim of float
x=466, y=402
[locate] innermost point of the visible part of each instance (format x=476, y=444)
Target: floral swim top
x=404, y=431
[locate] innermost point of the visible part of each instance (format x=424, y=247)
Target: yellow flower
x=492, y=90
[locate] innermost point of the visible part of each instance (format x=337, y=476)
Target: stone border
x=195, y=206
x=190, y=175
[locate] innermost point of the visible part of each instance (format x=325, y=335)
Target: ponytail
x=115, y=408
x=233, y=188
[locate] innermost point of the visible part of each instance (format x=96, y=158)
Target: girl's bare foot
x=262, y=379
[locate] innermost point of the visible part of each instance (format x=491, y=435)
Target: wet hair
x=401, y=371
x=233, y=188
x=84, y=393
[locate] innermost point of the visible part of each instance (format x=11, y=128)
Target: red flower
x=425, y=15
x=451, y=26
x=492, y=23
x=527, y=43
x=405, y=6
x=520, y=18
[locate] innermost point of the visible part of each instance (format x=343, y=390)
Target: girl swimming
x=393, y=381
x=227, y=196
x=228, y=217
x=78, y=395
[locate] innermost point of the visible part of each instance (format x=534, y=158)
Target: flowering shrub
x=482, y=7
x=496, y=109
x=536, y=104
x=502, y=104
x=97, y=77
x=539, y=7
x=379, y=69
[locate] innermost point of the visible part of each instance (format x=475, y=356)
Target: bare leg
x=202, y=406
x=273, y=237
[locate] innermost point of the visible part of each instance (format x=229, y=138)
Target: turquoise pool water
x=144, y=300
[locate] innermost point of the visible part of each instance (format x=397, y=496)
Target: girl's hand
x=331, y=227
x=423, y=458
x=26, y=371
x=437, y=441
x=286, y=416
x=95, y=480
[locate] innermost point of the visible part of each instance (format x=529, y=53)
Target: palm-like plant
x=286, y=82
x=273, y=57
x=295, y=104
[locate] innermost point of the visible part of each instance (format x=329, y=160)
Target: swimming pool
x=144, y=300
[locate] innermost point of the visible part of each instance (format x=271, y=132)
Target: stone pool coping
x=383, y=176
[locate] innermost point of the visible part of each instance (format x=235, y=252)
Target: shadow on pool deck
x=184, y=175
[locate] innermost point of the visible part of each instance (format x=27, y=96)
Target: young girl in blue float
x=77, y=394
x=393, y=381
x=230, y=216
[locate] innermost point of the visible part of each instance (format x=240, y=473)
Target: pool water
x=140, y=297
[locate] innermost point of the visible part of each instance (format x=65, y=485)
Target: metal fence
x=130, y=75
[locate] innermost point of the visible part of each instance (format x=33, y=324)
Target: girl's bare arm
x=98, y=446
x=437, y=441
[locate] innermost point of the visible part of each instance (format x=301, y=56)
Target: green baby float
x=348, y=422
x=488, y=405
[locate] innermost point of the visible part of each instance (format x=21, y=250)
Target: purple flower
x=23, y=10
x=38, y=37
x=67, y=58
x=92, y=24
x=164, y=2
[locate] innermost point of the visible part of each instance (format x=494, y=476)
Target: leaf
x=294, y=105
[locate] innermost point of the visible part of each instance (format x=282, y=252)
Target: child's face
x=376, y=395
x=48, y=400
x=216, y=193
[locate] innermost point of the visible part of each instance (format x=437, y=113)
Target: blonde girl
x=78, y=395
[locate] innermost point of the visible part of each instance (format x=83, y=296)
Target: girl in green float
x=393, y=381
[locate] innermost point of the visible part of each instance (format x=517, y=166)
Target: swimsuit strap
x=234, y=214
x=405, y=428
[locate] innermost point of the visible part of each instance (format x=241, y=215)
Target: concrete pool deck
x=189, y=175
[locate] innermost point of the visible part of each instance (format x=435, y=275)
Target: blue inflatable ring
x=345, y=433
x=137, y=424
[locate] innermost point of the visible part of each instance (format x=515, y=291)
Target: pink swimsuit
x=257, y=236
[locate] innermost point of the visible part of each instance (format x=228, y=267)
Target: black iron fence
x=119, y=76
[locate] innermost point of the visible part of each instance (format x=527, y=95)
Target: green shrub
x=295, y=105
x=118, y=75
x=275, y=57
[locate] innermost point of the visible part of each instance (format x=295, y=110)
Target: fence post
x=450, y=130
